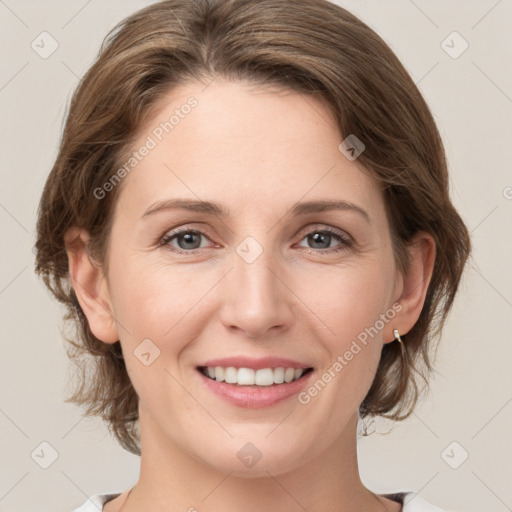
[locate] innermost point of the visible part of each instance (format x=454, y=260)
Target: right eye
x=187, y=240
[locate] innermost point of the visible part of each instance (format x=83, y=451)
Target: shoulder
x=96, y=502
x=414, y=503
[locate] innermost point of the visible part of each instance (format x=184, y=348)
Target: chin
x=257, y=458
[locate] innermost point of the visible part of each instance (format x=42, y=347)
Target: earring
x=397, y=336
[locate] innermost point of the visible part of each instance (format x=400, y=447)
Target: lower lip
x=255, y=397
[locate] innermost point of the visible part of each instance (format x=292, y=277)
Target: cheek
x=351, y=303
x=159, y=300
x=153, y=300
x=158, y=306
x=348, y=299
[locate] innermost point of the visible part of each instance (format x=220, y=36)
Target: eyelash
x=345, y=241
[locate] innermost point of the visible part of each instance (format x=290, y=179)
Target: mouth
x=258, y=378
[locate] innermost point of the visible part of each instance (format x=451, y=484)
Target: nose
x=256, y=298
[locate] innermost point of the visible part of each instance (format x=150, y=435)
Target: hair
x=310, y=46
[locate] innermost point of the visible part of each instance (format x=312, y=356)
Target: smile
x=253, y=377
x=252, y=388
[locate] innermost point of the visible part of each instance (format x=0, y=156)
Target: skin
x=257, y=151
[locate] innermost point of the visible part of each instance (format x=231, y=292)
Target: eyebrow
x=217, y=210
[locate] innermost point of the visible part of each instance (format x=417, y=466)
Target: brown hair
x=310, y=46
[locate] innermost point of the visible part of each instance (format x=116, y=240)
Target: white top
x=411, y=502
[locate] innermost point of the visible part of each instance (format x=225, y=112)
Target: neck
x=172, y=480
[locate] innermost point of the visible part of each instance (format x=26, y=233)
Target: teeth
x=264, y=377
x=250, y=377
x=219, y=374
x=244, y=377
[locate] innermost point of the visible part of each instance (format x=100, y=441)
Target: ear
x=414, y=285
x=90, y=286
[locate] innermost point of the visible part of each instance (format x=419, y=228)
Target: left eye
x=189, y=240
x=324, y=237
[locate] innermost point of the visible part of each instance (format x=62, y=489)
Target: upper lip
x=256, y=364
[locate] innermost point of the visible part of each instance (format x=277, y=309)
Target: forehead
x=254, y=149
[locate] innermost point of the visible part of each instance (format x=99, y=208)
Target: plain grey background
x=456, y=449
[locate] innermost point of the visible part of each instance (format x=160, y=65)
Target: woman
x=249, y=222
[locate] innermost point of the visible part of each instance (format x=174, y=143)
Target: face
x=261, y=278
